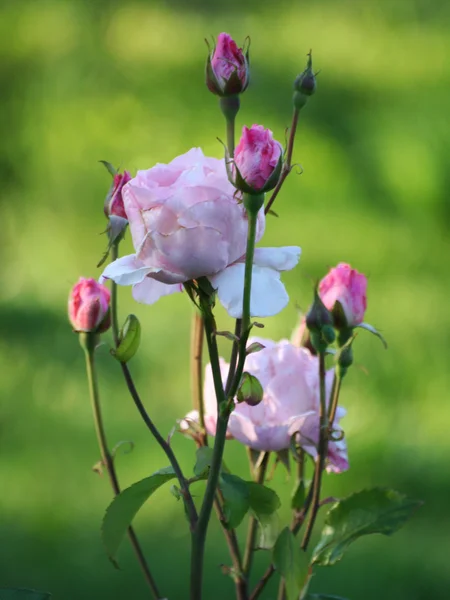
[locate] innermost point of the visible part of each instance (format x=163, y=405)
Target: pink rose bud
x=114, y=201
x=89, y=306
x=343, y=291
x=227, y=71
x=258, y=160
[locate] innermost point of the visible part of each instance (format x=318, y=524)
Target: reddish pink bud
x=114, y=201
x=347, y=287
x=227, y=70
x=89, y=306
x=258, y=158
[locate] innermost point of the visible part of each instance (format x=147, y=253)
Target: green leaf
x=374, y=331
x=269, y=528
x=369, y=511
x=298, y=496
x=111, y=170
x=255, y=347
x=236, y=496
x=125, y=505
x=263, y=500
x=204, y=457
x=22, y=594
x=291, y=562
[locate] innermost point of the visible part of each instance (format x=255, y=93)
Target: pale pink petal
x=280, y=259
x=149, y=290
x=268, y=294
x=127, y=270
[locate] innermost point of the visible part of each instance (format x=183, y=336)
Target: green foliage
x=22, y=594
x=236, y=497
x=203, y=461
x=370, y=511
x=291, y=562
x=123, y=508
x=323, y=597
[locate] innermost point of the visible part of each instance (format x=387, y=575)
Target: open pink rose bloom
x=186, y=223
x=290, y=406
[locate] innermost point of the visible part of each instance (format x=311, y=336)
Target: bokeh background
x=82, y=81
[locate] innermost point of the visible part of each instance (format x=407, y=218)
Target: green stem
x=245, y=322
x=199, y=533
x=322, y=454
x=197, y=371
x=108, y=460
x=288, y=160
x=165, y=446
x=335, y=390
x=223, y=412
x=234, y=356
x=230, y=108
x=253, y=523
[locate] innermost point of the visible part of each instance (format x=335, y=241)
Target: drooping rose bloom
x=114, y=200
x=185, y=224
x=290, y=379
x=89, y=306
x=257, y=156
x=227, y=71
x=348, y=287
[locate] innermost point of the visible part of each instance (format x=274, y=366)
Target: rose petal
x=268, y=294
x=127, y=270
x=149, y=290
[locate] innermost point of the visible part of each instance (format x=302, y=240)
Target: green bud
x=129, y=339
x=319, y=321
x=345, y=359
x=304, y=85
x=250, y=390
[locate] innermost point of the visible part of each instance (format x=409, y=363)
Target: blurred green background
x=83, y=81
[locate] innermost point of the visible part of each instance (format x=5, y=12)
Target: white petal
x=127, y=270
x=268, y=296
x=149, y=290
x=281, y=259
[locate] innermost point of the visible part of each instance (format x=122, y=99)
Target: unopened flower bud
x=89, y=306
x=250, y=391
x=345, y=359
x=320, y=324
x=129, y=339
x=227, y=67
x=304, y=85
x=258, y=160
x=343, y=291
x=114, y=200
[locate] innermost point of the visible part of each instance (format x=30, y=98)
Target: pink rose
x=290, y=405
x=258, y=157
x=227, y=71
x=186, y=223
x=89, y=306
x=114, y=200
x=348, y=287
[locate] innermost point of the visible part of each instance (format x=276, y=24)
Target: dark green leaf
x=236, y=499
x=298, y=496
x=124, y=507
x=370, y=511
x=291, y=562
x=263, y=500
x=203, y=462
x=22, y=594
